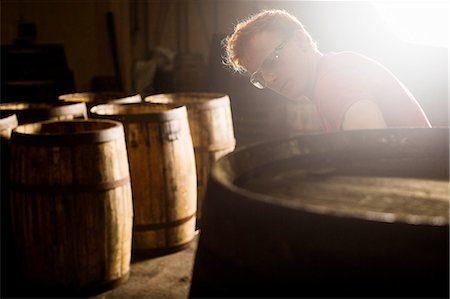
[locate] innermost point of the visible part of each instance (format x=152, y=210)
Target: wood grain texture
x=360, y=213
x=71, y=204
x=211, y=125
x=163, y=173
x=404, y=199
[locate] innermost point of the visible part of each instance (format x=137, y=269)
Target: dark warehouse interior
x=235, y=242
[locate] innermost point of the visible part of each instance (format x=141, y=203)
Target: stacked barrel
x=66, y=198
x=162, y=167
x=96, y=179
x=212, y=132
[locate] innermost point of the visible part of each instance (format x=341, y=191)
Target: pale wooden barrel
x=211, y=125
x=71, y=205
x=163, y=175
x=34, y=112
x=96, y=98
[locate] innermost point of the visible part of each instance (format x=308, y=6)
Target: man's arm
x=363, y=114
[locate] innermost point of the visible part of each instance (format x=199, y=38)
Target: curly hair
x=267, y=20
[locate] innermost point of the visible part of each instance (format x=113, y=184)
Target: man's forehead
x=258, y=48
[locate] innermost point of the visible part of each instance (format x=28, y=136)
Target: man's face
x=278, y=62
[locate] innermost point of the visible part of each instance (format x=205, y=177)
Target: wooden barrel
x=71, y=205
x=95, y=98
x=8, y=259
x=360, y=213
x=7, y=123
x=34, y=112
x=211, y=125
x=163, y=175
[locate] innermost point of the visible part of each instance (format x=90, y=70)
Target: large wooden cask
x=34, y=112
x=359, y=213
x=71, y=205
x=211, y=125
x=163, y=175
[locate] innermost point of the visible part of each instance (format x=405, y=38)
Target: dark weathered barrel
x=349, y=214
x=34, y=112
x=211, y=125
x=8, y=253
x=8, y=122
x=163, y=175
x=71, y=205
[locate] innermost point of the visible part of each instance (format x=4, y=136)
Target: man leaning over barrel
x=349, y=91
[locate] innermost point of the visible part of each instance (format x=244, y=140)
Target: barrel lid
x=67, y=132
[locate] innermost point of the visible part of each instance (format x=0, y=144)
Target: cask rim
x=192, y=100
x=32, y=134
x=90, y=97
x=135, y=112
x=224, y=174
x=46, y=109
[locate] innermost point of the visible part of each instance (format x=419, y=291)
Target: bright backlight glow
x=419, y=22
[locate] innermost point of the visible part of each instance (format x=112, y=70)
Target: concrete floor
x=167, y=276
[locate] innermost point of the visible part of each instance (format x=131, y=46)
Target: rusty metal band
x=145, y=253
x=178, y=112
x=102, y=286
x=156, y=226
x=216, y=147
x=76, y=138
x=69, y=189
